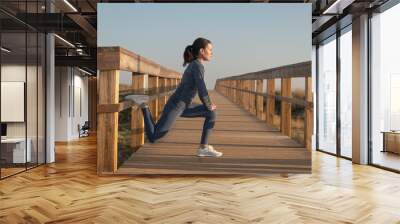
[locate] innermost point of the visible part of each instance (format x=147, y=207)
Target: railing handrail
x=293, y=100
x=118, y=58
x=155, y=91
x=302, y=69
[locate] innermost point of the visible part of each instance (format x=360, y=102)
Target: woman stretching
x=180, y=102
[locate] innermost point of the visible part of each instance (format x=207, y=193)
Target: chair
x=84, y=130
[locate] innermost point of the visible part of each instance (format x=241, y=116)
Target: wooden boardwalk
x=250, y=146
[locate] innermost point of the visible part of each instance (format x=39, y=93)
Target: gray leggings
x=171, y=112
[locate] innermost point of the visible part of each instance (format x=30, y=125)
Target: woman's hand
x=213, y=107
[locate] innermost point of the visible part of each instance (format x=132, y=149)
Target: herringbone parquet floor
x=69, y=191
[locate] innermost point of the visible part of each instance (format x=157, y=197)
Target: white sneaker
x=140, y=100
x=208, y=151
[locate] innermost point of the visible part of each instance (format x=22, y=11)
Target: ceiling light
x=65, y=41
x=5, y=50
x=79, y=51
x=70, y=5
x=334, y=8
x=86, y=72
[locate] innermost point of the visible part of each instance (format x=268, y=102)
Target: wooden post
x=225, y=90
x=229, y=84
x=244, y=94
x=92, y=106
x=270, y=101
x=259, y=101
x=166, y=84
x=286, y=108
x=308, y=123
x=169, y=84
x=240, y=93
x=234, y=91
x=137, y=123
x=107, y=128
x=243, y=87
x=161, y=100
x=253, y=109
x=153, y=105
x=247, y=95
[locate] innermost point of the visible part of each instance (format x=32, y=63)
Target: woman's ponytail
x=188, y=55
x=192, y=51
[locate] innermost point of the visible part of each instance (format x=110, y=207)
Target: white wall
x=33, y=126
x=80, y=83
x=50, y=92
x=314, y=91
x=70, y=83
x=12, y=101
x=11, y=73
x=15, y=73
x=360, y=90
x=62, y=80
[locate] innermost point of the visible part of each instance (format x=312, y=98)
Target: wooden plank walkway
x=250, y=146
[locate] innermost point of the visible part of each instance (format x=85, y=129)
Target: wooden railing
x=247, y=90
x=110, y=61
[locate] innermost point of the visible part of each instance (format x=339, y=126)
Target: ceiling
x=76, y=21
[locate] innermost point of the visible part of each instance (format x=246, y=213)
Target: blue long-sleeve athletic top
x=192, y=81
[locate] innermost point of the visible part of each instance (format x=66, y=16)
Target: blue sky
x=246, y=37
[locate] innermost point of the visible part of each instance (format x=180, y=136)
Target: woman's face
x=207, y=52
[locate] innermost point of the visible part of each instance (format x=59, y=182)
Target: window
x=22, y=65
x=327, y=95
x=346, y=92
x=385, y=88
